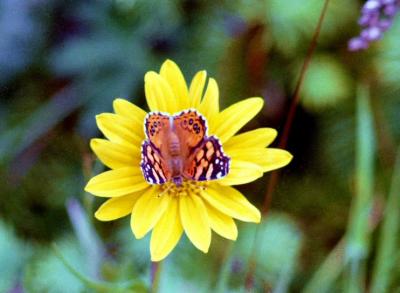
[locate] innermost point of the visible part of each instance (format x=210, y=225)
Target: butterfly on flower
x=177, y=148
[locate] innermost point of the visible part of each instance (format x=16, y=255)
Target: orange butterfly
x=177, y=147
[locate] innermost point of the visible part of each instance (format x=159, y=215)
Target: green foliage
x=277, y=250
x=13, y=254
x=388, y=240
x=101, y=62
x=336, y=142
x=45, y=272
x=296, y=21
x=326, y=84
x=22, y=27
x=38, y=192
x=387, y=59
x=133, y=255
x=188, y=271
x=358, y=236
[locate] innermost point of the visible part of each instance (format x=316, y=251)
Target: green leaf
x=13, y=254
x=325, y=276
x=39, y=122
x=46, y=273
x=62, y=269
x=294, y=21
x=358, y=233
x=277, y=250
x=326, y=83
x=388, y=239
x=337, y=142
x=186, y=271
x=100, y=286
x=88, y=239
x=190, y=267
x=388, y=58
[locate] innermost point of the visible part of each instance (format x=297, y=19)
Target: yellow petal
x=118, y=129
x=129, y=111
x=195, y=221
x=221, y=223
x=267, y=158
x=159, y=94
x=153, y=102
x=115, y=155
x=260, y=137
x=166, y=232
x=209, y=106
x=231, y=202
x=147, y=211
x=196, y=88
x=230, y=120
x=173, y=75
x=241, y=172
x=117, y=182
x=117, y=207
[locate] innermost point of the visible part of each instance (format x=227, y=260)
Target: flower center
x=188, y=187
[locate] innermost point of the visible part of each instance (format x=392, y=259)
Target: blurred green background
x=333, y=223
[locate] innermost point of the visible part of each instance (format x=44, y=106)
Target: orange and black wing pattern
x=190, y=127
x=154, y=167
x=208, y=162
x=156, y=126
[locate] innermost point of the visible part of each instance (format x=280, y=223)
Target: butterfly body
x=177, y=148
x=174, y=157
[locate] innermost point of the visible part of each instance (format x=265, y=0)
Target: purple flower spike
x=357, y=43
x=384, y=24
x=391, y=9
x=385, y=2
x=371, y=5
x=376, y=18
x=364, y=19
x=371, y=34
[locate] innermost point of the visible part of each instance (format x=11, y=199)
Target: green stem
x=225, y=269
x=251, y=265
x=273, y=181
x=382, y=276
x=328, y=272
x=132, y=286
x=325, y=277
x=358, y=235
x=156, y=268
x=274, y=177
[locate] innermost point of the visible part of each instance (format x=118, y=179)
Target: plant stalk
x=156, y=268
x=274, y=177
x=388, y=239
x=358, y=233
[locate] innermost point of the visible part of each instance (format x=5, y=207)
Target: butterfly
x=177, y=147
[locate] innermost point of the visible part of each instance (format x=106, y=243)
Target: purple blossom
x=376, y=18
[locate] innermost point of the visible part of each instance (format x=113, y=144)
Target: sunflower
x=194, y=207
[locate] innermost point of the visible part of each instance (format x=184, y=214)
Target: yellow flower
x=194, y=207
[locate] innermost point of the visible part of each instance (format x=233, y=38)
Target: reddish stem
x=292, y=110
x=249, y=280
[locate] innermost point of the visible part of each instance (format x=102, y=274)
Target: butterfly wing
x=154, y=167
x=156, y=126
x=191, y=128
x=203, y=156
x=208, y=162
